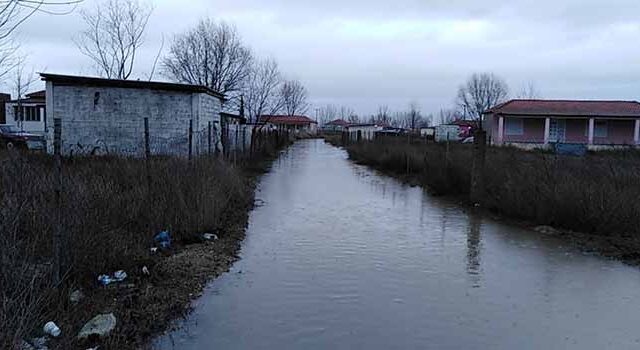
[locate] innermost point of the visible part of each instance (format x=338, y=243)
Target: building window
x=514, y=126
x=601, y=129
x=29, y=114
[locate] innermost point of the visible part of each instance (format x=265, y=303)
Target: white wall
x=35, y=127
x=368, y=132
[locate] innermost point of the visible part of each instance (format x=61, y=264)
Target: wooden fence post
x=147, y=161
x=477, y=169
x=147, y=149
x=209, y=138
x=190, y=139
x=57, y=233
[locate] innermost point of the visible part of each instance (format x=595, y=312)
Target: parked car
x=12, y=137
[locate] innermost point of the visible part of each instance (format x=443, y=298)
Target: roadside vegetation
x=597, y=194
x=110, y=217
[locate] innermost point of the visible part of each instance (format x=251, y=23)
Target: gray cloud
x=367, y=53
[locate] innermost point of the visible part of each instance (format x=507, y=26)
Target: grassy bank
x=597, y=194
x=110, y=215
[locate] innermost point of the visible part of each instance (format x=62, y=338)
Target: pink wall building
x=537, y=123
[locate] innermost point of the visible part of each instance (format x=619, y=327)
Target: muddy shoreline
x=620, y=248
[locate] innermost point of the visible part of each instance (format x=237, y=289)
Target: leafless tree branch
x=115, y=31
x=294, y=97
x=481, y=92
x=261, y=89
x=211, y=54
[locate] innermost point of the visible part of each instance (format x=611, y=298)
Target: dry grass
x=110, y=215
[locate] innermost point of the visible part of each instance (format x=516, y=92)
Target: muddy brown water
x=341, y=257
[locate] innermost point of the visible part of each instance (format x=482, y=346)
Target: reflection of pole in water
x=474, y=247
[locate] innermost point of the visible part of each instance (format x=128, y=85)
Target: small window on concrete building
x=514, y=126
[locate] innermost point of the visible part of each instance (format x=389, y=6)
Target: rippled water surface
x=341, y=257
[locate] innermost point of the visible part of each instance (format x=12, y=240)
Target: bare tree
x=383, y=115
x=446, y=116
x=413, y=117
x=261, y=93
x=294, y=97
x=327, y=114
x=14, y=13
x=22, y=84
x=529, y=92
x=481, y=92
x=353, y=118
x=114, y=34
x=211, y=54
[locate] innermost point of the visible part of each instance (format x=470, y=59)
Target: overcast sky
x=365, y=53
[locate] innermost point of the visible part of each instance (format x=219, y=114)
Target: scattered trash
x=210, y=237
x=39, y=343
x=52, y=329
x=118, y=276
x=163, y=239
x=76, y=297
x=154, y=250
x=145, y=271
x=24, y=345
x=100, y=326
x=105, y=280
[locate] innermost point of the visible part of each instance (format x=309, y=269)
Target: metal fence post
x=57, y=233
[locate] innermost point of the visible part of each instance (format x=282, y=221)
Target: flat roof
x=71, y=80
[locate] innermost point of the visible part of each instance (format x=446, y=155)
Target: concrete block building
x=106, y=116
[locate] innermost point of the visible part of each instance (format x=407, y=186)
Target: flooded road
x=340, y=257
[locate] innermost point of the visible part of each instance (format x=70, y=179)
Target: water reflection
x=341, y=257
x=474, y=248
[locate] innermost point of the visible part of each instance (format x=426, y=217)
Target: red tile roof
x=287, y=119
x=568, y=108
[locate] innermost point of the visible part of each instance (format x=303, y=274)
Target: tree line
x=480, y=92
x=213, y=54
x=210, y=54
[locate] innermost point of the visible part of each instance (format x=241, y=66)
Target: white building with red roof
x=535, y=123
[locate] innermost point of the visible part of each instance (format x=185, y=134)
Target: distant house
x=537, y=123
x=296, y=123
x=28, y=113
x=447, y=133
x=106, y=116
x=337, y=125
x=363, y=132
x=428, y=132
